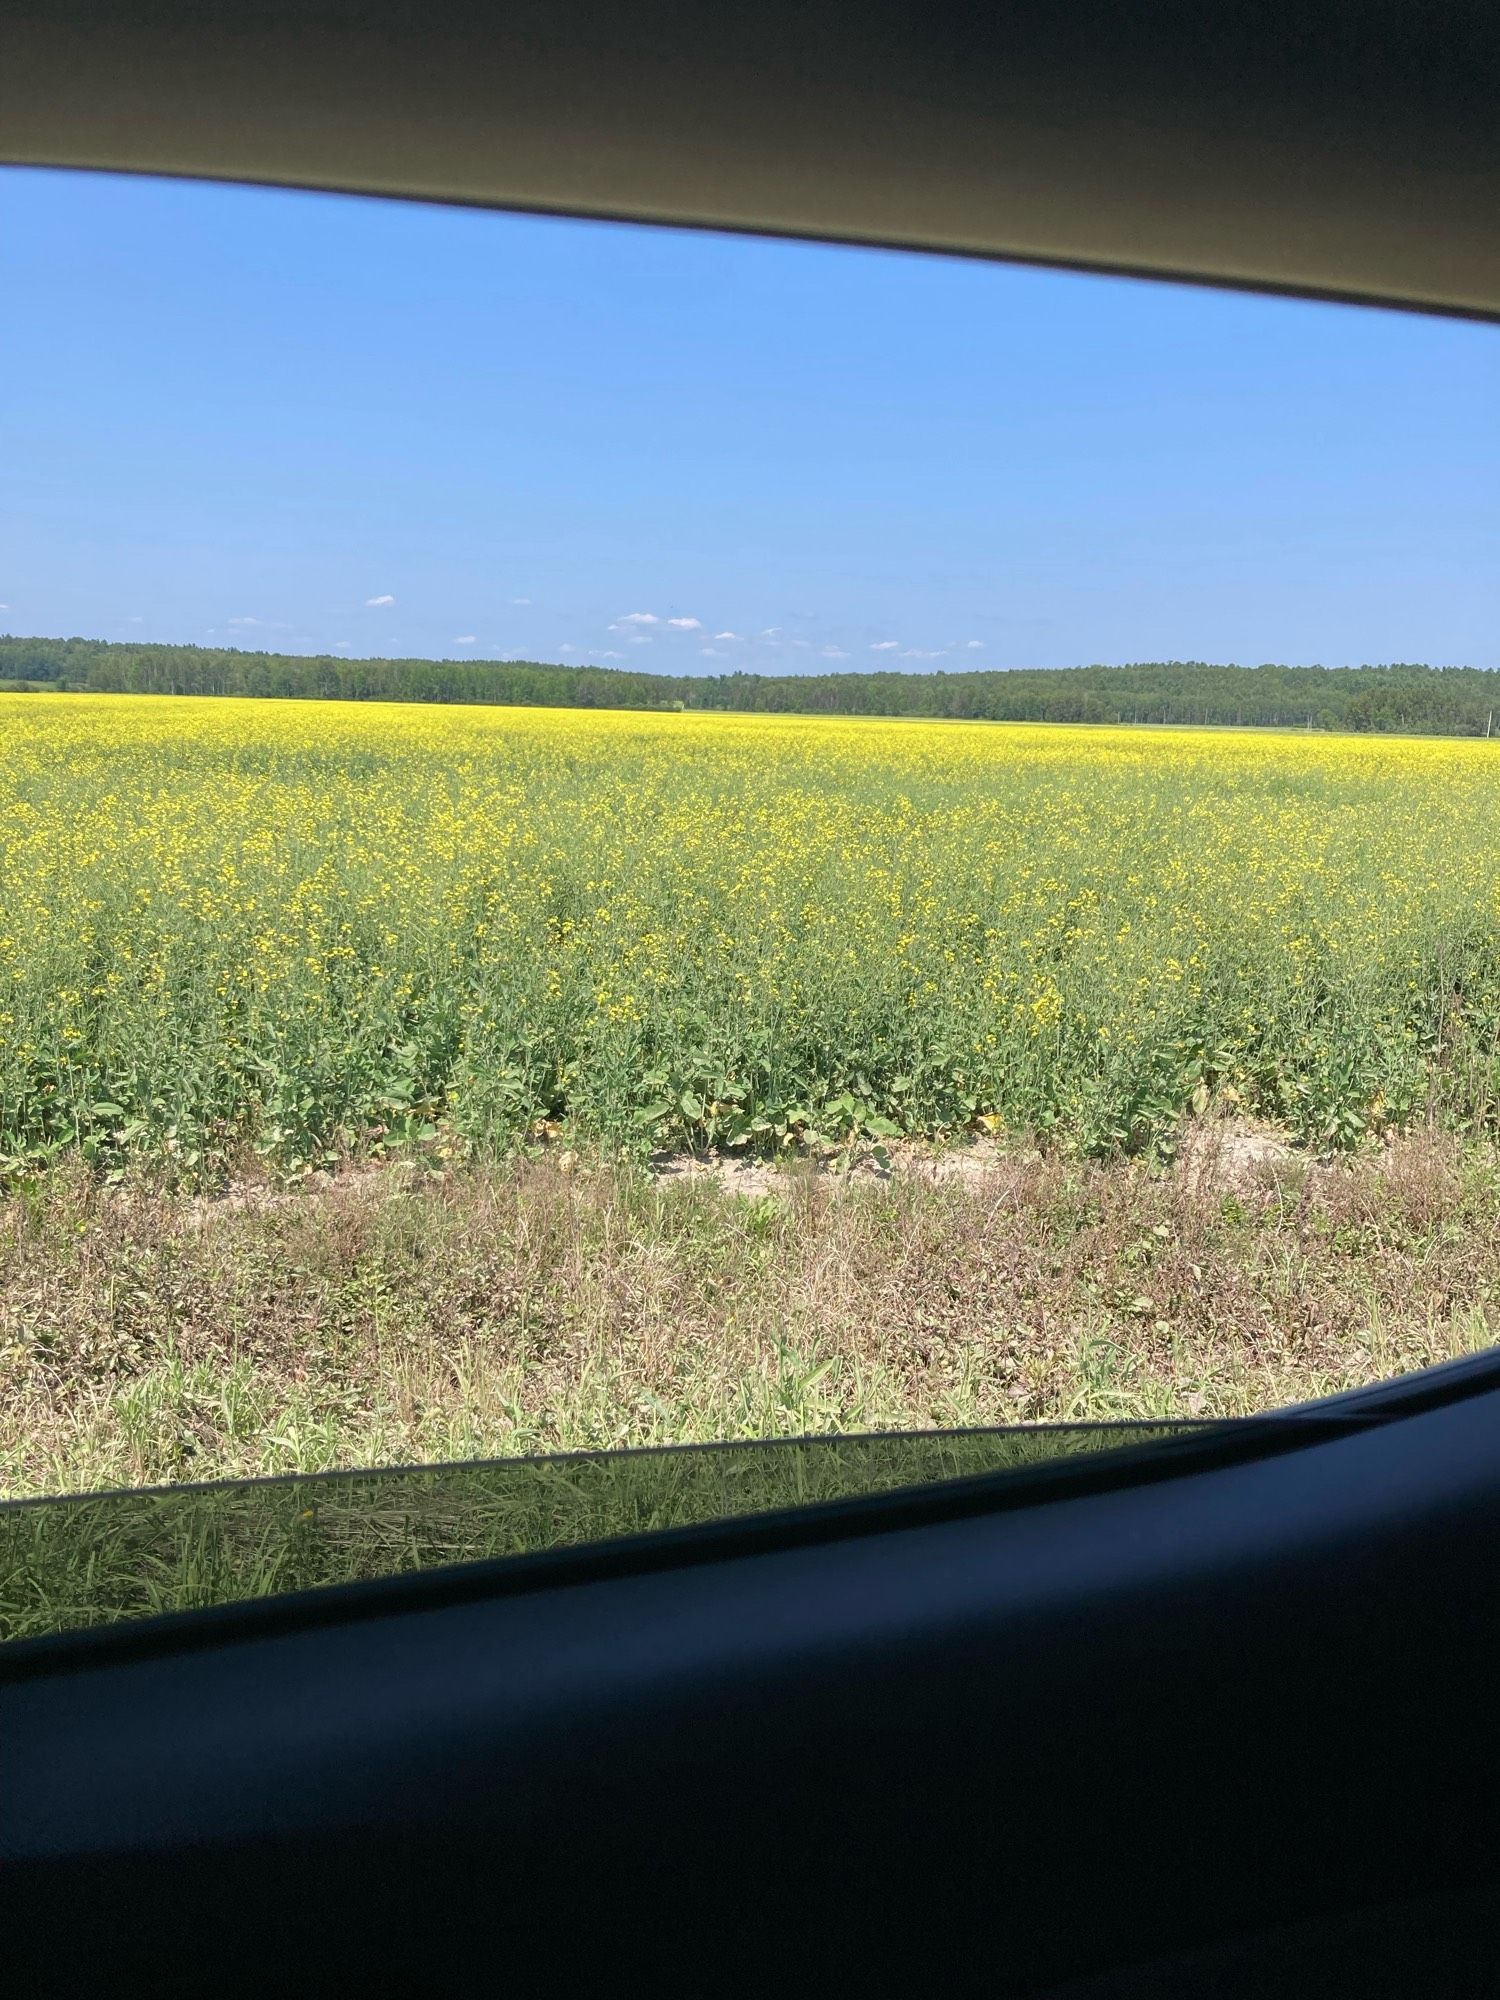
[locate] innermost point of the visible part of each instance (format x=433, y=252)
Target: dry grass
x=543, y=1304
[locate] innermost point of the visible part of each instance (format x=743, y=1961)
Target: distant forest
x=1449, y=701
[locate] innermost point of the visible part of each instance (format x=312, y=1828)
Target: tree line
x=1448, y=701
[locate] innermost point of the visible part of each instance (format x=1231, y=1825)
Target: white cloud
x=639, y=618
x=913, y=653
x=686, y=624
x=728, y=635
x=520, y=600
x=372, y=602
x=712, y=653
x=244, y=621
x=834, y=653
x=128, y=621
x=567, y=649
x=640, y=638
x=606, y=656
x=885, y=645
x=975, y=646
x=342, y=645
x=773, y=633
x=465, y=639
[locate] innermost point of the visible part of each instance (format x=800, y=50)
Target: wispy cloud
x=129, y=621
x=773, y=633
x=342, y=645
x=640, y=639
x=915, y=653
x=974, y=645
x=244, y=621
x=885, y=645
x=686, y=624
x=834, y=653
x=466, y=639
x=520, y=600
x=713, y=653
x=606, y=656
x=639, y=618
x=372, y=603
x=729, y=635
x=567, y=649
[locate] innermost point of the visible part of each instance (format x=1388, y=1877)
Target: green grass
x=546, y=1306
x=396, y=1317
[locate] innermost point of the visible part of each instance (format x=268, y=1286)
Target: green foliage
x=1409, y=699
x=322, y=930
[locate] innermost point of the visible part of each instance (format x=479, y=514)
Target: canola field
x=322, y=928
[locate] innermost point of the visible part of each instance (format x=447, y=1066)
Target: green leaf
x=692, y=1105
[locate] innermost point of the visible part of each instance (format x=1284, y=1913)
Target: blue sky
x=310, y=423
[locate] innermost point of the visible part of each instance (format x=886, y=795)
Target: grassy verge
x=561, y=1304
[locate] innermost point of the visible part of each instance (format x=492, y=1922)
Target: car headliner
x=1345, y=148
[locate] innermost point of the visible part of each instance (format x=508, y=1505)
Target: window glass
x=94, y=1558
x=618, y=838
